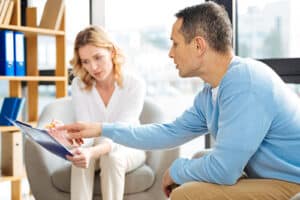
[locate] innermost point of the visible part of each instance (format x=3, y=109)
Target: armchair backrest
x=152, y=112
x=60, y=109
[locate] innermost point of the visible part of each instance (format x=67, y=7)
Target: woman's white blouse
x=125, y=104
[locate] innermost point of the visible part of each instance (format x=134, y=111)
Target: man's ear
x=200, y=44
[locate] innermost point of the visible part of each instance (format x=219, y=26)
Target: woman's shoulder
x=77, y=82
x=78, y=85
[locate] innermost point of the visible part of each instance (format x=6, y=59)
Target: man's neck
x=218, y=66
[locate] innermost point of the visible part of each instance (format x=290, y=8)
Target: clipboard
x=43, y=138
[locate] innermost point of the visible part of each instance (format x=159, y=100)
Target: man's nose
x=171, y=53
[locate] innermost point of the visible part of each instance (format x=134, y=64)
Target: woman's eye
x=85, y=62
x=98, y=58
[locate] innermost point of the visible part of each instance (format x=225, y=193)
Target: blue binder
x=19, y=54
x=7, y=53
x=11, y=108
x=18, y=107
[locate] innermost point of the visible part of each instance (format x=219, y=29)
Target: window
x=142, y=30
x=268, y=28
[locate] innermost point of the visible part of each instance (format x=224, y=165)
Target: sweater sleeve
x=159, y=136
x=243, y=124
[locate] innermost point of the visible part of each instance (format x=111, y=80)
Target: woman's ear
x=113, y=52
x=200, y=44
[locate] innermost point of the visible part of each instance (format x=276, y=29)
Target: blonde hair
x=96, y=36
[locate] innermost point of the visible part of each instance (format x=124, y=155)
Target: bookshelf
x=32, y=78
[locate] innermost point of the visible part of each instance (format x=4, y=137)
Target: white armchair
x=49, y=176
x=296, y=197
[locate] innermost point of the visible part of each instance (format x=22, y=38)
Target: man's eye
x=175, y=44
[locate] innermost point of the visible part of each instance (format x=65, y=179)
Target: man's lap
x=245, y=189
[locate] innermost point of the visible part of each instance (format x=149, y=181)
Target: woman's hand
x=79, y=130
x=81, y=157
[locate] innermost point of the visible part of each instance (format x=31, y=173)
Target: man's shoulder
x=247, y=65
x=247, y=70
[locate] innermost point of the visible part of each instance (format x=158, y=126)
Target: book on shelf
x=19, y=54
x=11, y=108
x=3, y=9
x=52, y=14
x=1, y=5
x=9, y=13
x=12, y=57
x=7, y=53
x=24, y=4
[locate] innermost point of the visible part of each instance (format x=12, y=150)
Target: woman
x=101, y=92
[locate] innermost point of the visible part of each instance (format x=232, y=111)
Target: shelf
x=13, y=128
x=11, y=178
x=32, y=30
x=4, y=177
x=60, y=78
x=34, y=78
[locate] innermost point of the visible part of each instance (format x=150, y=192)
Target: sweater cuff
x=107, y=130
x=175, y=169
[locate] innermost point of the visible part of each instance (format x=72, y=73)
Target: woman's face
x=97, y=61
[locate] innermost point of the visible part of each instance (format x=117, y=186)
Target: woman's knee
x=112, y=161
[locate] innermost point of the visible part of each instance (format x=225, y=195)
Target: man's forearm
x=146, y=137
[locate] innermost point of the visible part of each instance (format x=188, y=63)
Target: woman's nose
x=93, y=65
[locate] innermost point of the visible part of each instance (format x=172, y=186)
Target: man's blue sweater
x=255, y=121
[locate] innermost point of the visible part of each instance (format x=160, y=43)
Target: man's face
x=183, y=54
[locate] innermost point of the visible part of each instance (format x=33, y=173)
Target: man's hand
x=167, y=183
x=59, y=135
x=79, y=130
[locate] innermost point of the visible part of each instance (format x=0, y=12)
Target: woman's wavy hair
x=96, y=36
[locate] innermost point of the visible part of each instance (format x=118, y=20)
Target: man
x=251, y=113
